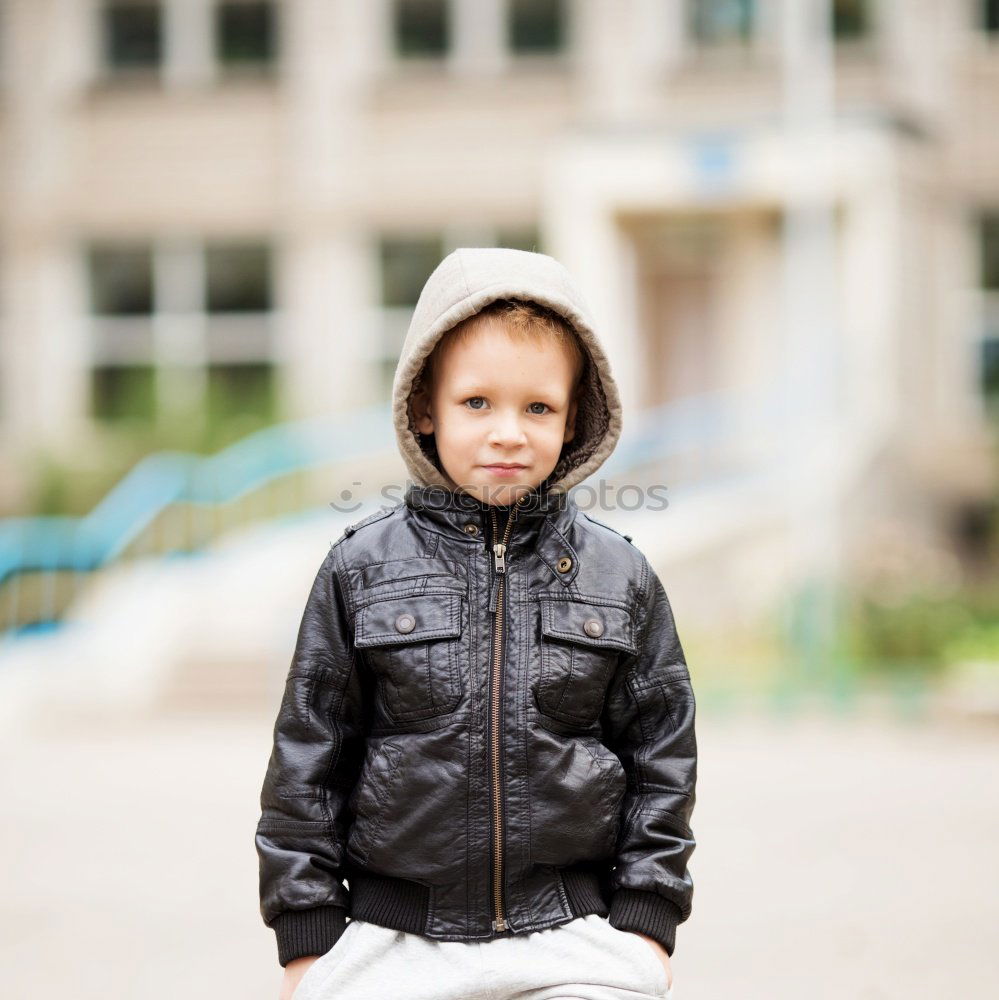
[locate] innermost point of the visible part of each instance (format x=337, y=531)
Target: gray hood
x=464, y=282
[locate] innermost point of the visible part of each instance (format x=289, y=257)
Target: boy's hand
x=663, y=956
x=293, y=973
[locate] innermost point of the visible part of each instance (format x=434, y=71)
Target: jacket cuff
x=647, y=912
x=308, y=932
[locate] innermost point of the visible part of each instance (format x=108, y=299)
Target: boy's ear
x=419, y=404
x=570, y=423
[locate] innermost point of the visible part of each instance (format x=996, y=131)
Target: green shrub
x=921, y=631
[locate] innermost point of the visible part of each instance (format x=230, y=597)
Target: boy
x=488, y=724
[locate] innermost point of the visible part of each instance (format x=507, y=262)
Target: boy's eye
x=478, y=403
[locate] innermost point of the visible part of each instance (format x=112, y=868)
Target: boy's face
x=497, y=401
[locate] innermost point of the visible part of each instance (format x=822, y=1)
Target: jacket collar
x=538, y=503
x=542, y=521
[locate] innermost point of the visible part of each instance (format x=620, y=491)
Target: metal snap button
x=594, y=627
x=564, y=564
x=405, y=623
x=471, y=528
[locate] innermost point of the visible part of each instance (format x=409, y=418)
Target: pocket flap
x=587, y=624
x=429, y=571
x=400, y=620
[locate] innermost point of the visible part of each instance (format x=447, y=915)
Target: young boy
x=488, y=724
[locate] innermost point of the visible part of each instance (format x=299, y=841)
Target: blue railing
x=699, y=426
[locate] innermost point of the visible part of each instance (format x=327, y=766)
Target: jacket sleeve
x=314, y=762
x=649, y=723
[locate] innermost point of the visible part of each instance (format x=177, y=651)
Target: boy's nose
x=507, y=431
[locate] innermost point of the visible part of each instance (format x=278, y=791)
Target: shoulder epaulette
x=607, y=526
x=370, y=519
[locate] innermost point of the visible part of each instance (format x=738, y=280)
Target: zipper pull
x=499, y=557
x=499, y=925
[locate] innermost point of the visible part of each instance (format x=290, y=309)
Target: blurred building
x=216, y=207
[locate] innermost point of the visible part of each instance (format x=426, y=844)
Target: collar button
x=564, y=564
x=471, y=528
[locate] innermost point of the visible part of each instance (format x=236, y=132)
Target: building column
x=188, y=35
x=326, y=277
x=608, y=84
x=478, y=48
x=579, y=229
x=43, y=371
x=659, y=38
x=179, y=331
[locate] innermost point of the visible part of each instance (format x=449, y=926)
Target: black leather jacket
x=481, y=740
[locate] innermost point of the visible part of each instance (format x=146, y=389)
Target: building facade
x=224, y=209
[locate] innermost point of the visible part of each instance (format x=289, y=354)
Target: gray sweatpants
x=584, y=959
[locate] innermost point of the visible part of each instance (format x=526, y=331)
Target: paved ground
x=838, y=856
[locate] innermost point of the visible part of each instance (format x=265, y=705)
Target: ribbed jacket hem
x=404, y=905
x=390, y=902
x=308, y=932
x=583, y=890
x=634, y=910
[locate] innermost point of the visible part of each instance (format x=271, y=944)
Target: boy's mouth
x=504, y=468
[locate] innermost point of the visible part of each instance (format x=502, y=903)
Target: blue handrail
x=165, y=478
x=56, y=543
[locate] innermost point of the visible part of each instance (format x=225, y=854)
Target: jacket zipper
x=496, y=676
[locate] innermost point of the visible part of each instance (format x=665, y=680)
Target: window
x=718, y=22
x=850, y=19
x=238, y=278
x=988, y=238
x=132, y=35
x=243, y=392
x=989, y=16
x=240, y=376
x=210, y=366
x=421, y=27
x=406, y=263
x=990, y=370
x=990, y=252
x=245, y=34
x=536, y=26
x=121, y=279
x=120, y=283
x=123, y=392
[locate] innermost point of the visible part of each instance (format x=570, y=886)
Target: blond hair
x=522, y=319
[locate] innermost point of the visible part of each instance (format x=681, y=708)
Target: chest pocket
x=580, y=644
x=413, y=645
